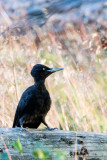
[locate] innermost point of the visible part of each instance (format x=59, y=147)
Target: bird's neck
x=40, y=85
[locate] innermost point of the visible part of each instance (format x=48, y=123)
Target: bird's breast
x=42, y=103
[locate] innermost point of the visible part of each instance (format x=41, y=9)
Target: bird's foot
x=20, y=128
x=51, y=129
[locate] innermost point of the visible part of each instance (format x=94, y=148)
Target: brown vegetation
x=79, y=93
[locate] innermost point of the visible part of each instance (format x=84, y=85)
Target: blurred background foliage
x=69, y=34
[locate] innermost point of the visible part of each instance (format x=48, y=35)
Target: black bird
x=35, y=101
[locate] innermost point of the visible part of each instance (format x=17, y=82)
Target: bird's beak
x=52, y=70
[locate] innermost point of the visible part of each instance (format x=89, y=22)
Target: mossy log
x=77, y=145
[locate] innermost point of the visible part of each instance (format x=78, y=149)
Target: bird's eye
x=43, y=69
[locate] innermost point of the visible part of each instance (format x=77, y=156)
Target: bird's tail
x=16, y=120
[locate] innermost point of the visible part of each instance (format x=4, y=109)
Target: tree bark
x=77, y=145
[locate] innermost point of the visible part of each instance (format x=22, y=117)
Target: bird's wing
x=27, y=101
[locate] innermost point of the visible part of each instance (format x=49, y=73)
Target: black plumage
x=35, y=101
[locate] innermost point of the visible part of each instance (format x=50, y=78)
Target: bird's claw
x=20, y=128
x=51, y=129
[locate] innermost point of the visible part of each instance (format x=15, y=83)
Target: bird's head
x=41, y=72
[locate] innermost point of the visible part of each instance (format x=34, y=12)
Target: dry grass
x=79, y=93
